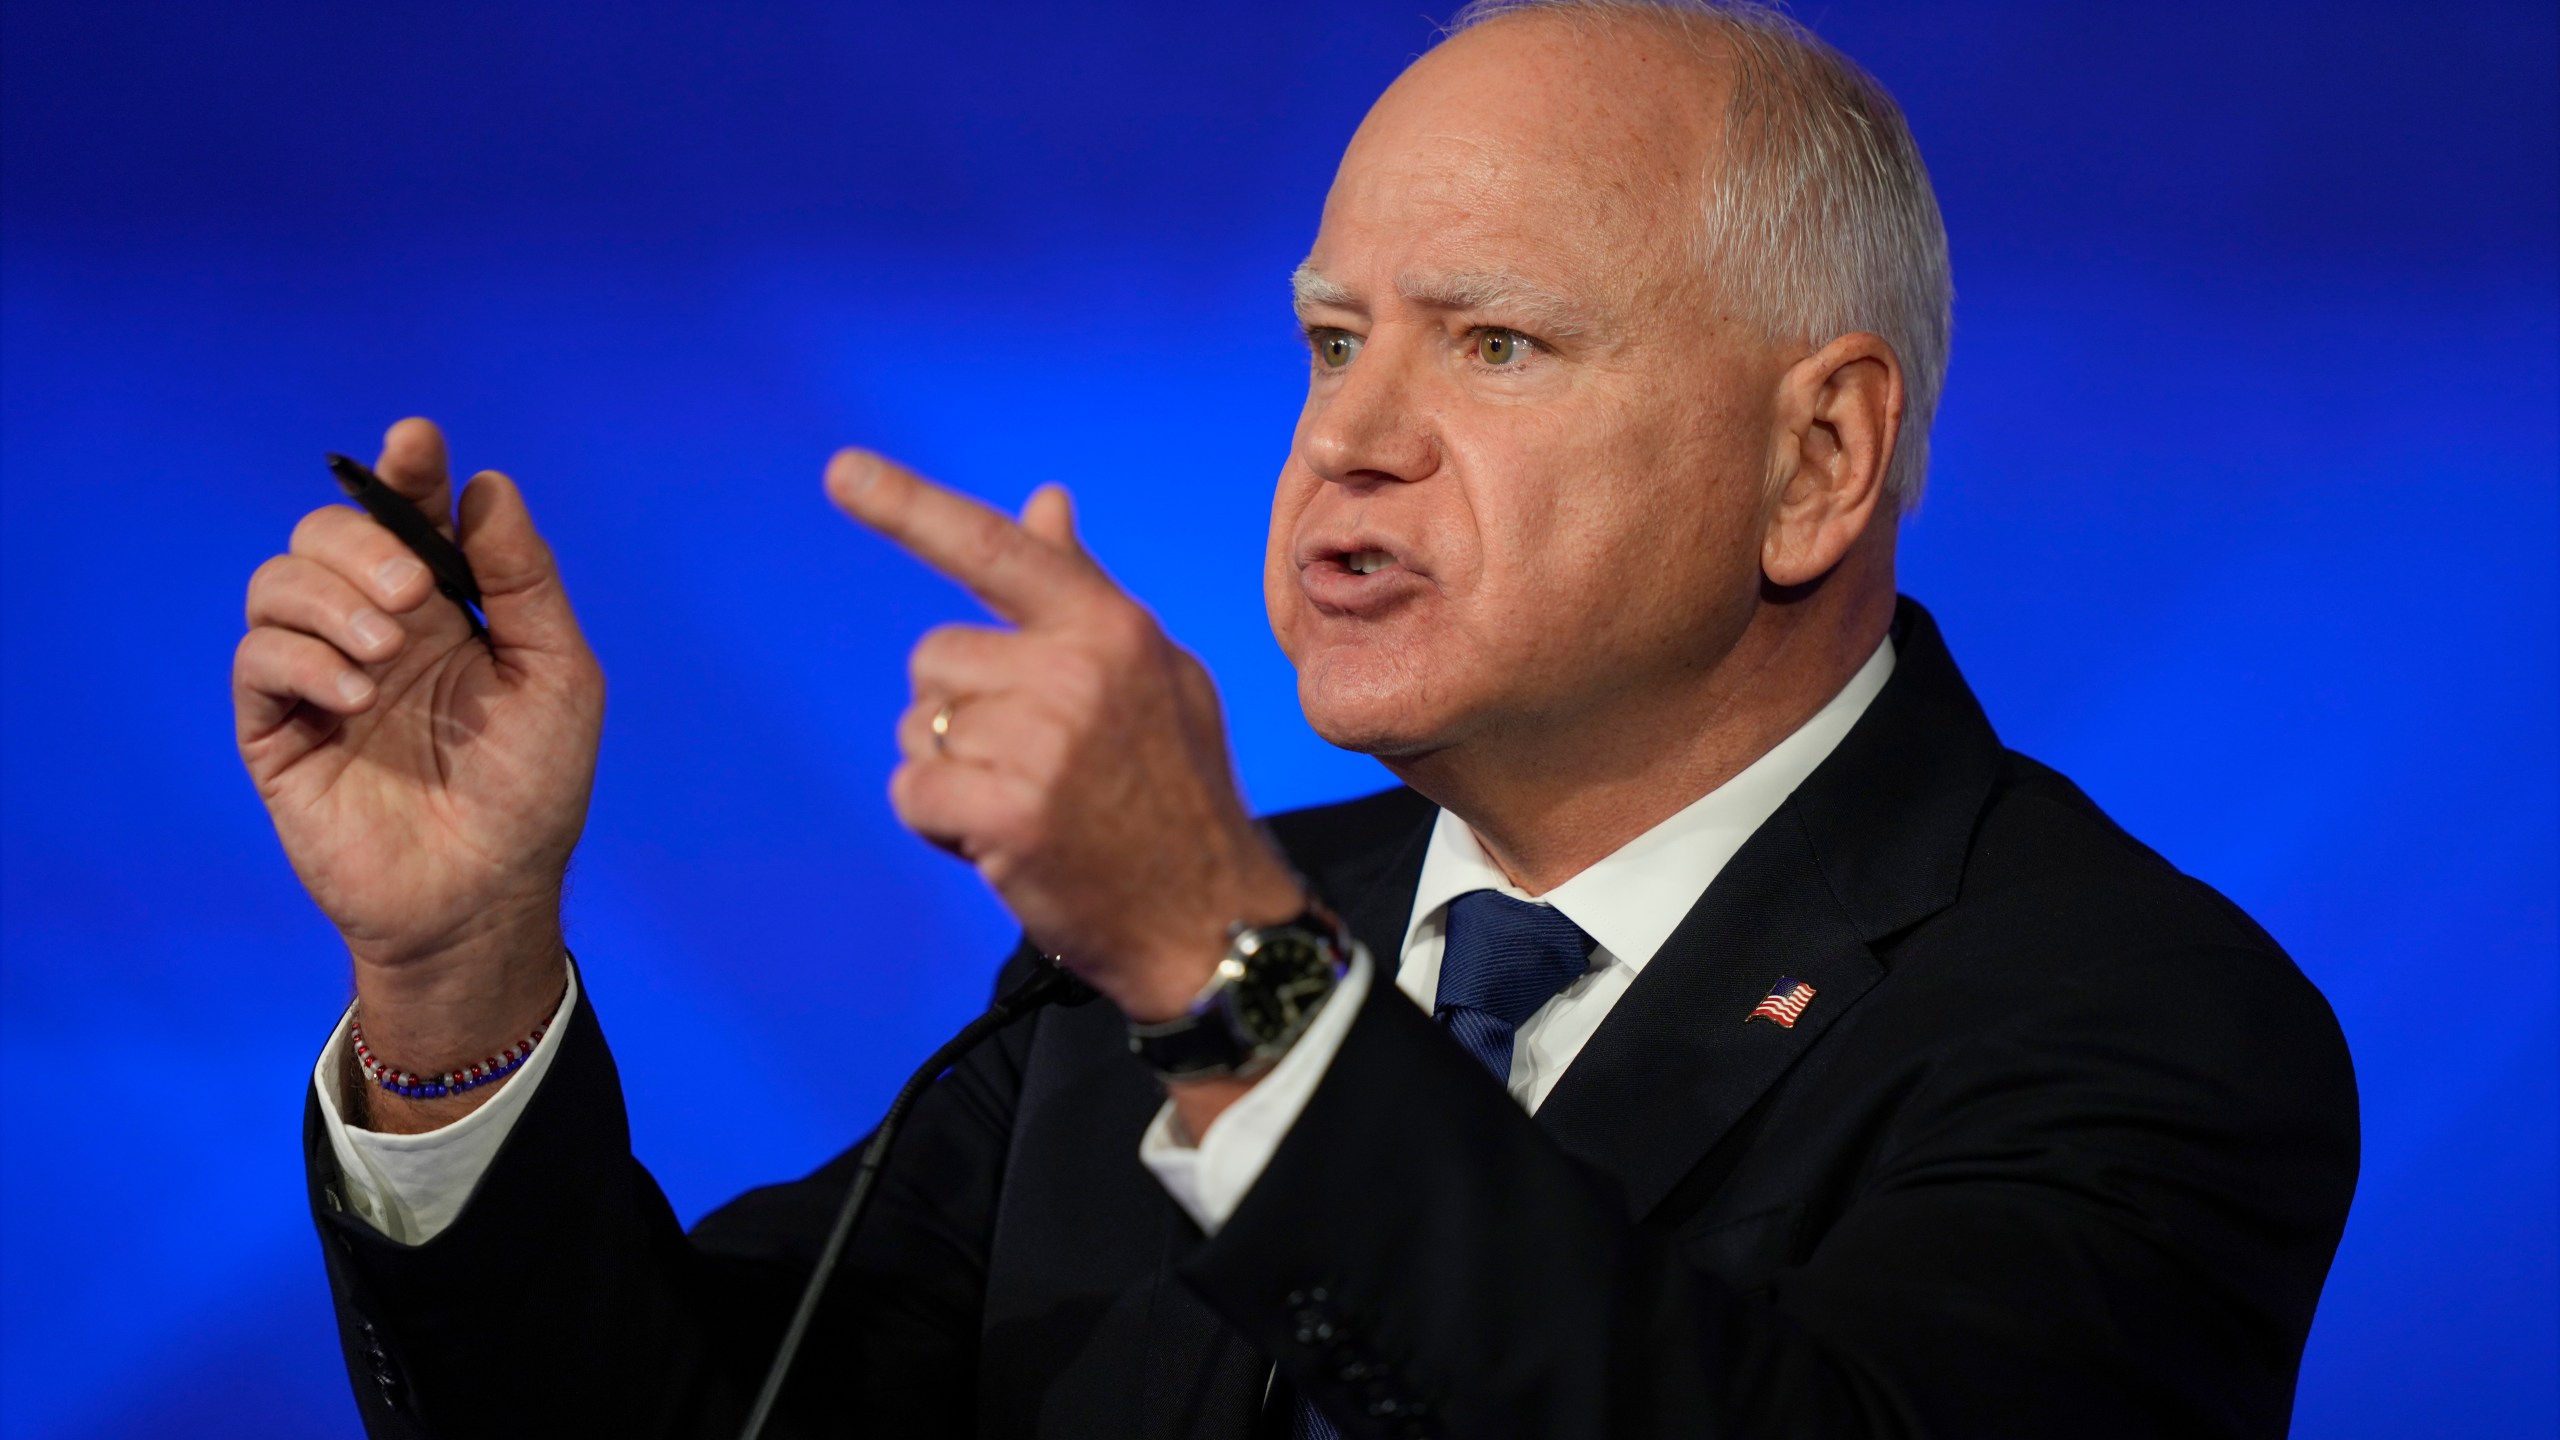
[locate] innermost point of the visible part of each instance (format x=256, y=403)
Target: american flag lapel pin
x=1784, y=1003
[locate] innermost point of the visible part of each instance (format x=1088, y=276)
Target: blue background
x=2244, y=515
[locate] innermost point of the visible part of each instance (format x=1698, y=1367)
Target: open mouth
x=1358, y=580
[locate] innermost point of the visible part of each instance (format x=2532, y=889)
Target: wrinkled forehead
x=1565, y=144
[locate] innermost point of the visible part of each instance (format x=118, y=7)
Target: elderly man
x=1720, y=1035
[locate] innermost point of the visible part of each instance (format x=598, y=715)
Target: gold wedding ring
x=942, y=727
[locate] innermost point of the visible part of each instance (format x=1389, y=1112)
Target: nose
x=1372, y=425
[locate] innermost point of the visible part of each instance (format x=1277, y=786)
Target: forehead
x=1564, y=146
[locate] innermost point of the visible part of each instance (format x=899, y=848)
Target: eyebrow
x=1536, y=308
x=1311, y=289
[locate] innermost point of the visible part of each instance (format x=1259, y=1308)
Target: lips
x=1359, y=576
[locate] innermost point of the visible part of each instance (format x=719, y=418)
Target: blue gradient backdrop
x=2244, y=515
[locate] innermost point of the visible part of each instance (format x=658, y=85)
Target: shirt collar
x=1631, y=901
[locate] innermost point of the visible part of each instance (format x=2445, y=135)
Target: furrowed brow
x=1509, y=297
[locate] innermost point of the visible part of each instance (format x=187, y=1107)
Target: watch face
x=1291, y=973
x=1267, y=991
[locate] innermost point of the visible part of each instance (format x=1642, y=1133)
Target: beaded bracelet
x=452, y=1082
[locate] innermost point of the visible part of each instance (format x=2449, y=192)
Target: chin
x=1370, y=705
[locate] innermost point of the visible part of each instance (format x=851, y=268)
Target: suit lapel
x=1874, y=841
x=1678, y=1061
x=1871, y=843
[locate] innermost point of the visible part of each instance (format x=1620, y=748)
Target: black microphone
x=1050, y=984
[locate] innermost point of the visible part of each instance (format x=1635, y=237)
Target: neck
x=1548, y=800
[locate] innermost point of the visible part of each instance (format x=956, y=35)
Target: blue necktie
x=1503, y=959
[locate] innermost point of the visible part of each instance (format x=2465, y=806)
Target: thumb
x=519, y=582
x=413, y=463
x=1050, y=517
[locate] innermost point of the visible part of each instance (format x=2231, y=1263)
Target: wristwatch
x=1264, y=995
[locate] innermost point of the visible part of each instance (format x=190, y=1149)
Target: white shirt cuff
x=1209, y=1180
x=410, y=1187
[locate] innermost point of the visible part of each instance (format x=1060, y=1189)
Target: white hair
x=1821, y=222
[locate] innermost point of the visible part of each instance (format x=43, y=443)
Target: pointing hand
x=1076, y=756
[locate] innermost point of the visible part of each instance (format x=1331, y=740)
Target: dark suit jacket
x=2061, y=1148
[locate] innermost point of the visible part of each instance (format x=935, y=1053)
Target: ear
x=1839, y=412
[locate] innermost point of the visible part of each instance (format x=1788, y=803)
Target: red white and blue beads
x=452, y=1082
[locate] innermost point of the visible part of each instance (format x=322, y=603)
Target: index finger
x=1016, y=574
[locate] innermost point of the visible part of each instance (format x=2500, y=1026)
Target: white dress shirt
x=1628, y=903
x=410, y=1187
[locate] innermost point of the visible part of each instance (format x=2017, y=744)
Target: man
x=1729, y=1037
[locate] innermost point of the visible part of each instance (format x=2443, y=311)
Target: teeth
x=1368, y=562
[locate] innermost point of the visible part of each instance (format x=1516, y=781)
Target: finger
x=1015, y=575
x=413, y=463
x=296, y=593
x=970, y=660
x=981, y=730
x=520, y=589
x=367, y=556
x=968, y=809
x=919, y=740
x=916, y=737
x=1050, y=516
x=275, y=670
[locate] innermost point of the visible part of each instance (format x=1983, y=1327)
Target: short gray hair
x=1822, y=221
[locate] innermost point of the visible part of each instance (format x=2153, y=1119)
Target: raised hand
x=428, y=787
x=1081, y=761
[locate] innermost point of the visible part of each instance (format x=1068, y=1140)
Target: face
x=1526, y=490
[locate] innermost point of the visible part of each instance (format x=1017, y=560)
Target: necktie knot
x=1502, y=959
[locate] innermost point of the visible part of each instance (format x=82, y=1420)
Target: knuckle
x=1124, y=630
x=308, y=658
x=267, y=584
x=319, y=531
x=936, y=651
x=984, y=548
x=902, y=791
x=1077, y=682
x=273, y=571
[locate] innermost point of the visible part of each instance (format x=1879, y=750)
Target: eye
x=1334, y=348
x=1502, y=347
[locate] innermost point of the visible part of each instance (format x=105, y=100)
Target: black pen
x=442, y=557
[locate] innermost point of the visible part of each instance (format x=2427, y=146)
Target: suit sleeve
x=2108, y=1215
x=566, y=1299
